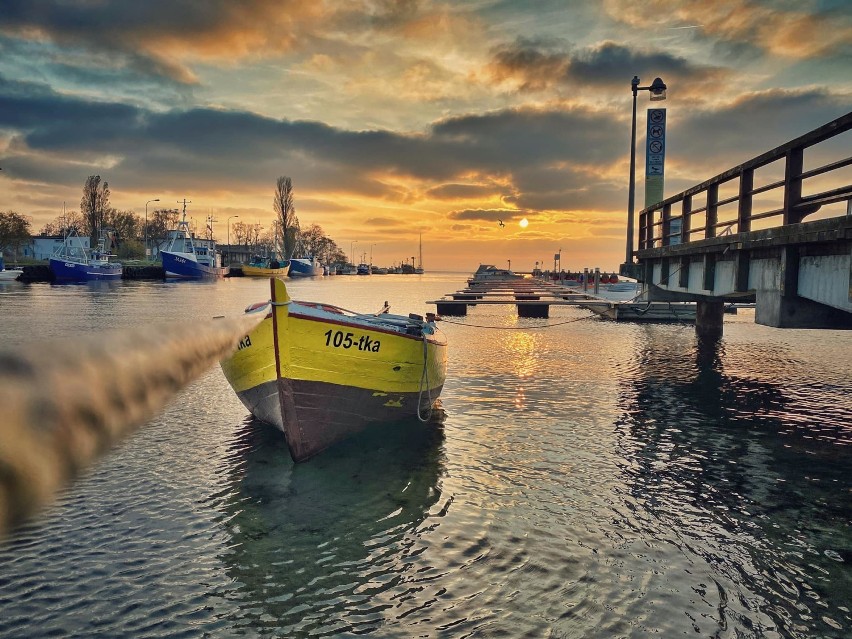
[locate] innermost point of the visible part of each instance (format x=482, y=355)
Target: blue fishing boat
x=183, y=258
x=73, y=261
x=305, y=267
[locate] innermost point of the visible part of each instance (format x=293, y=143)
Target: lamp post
x=658, y=92
x=228, y=224
x=146, y=223
x=352, y=251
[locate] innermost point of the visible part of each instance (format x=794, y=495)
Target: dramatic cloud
x=400, y=116
x=488, y=215
x=539, y=66
x=787, y=30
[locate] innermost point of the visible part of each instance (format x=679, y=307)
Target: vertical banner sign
x=655, y=156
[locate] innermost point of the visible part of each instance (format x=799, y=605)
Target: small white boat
x=8, y=274
x=489, y=273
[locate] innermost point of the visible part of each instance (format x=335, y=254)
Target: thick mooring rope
x=65, y=403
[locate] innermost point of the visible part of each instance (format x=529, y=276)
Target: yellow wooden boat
x=267, y=268
x=321, y=373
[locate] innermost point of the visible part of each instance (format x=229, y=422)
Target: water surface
x=583, y=479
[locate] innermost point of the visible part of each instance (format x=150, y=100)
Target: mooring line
x=63, y=404
x=520, y=328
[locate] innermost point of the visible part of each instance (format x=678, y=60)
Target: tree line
x=285, y=239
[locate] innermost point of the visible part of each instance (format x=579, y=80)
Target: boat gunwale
x=373, y=327
x=438, y=338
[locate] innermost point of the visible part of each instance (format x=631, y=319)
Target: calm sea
x=589, y=479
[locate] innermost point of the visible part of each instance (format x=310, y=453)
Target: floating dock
x=533, y=299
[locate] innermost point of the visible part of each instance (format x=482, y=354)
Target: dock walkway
x=533, y=299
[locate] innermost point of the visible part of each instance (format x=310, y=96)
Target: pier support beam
x=534, y=310
x=448, y=308
x=709, y=319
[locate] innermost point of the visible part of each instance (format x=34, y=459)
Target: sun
x=524, y=223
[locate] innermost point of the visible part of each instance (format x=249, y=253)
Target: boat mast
x=420, y=259
x=183, y=222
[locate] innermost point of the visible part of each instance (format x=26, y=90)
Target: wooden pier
x=741, y=236
x=533, y=299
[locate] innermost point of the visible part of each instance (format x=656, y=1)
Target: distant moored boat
x=75, y=262
x=182, y=258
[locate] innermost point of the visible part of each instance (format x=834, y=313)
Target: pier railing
x=704, y=211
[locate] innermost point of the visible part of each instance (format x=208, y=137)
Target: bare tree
x=64, y=224
x=253, y=237
x=288, y=223
x=127, y=225
x=240, y=233
x=94, y=205
x=160, y=222
x=317, y=244
x=14, y=231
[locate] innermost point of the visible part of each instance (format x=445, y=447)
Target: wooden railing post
x=685, y=219
x=745, y=201
x=712, y=210
x=667, y=224
x=793, y=185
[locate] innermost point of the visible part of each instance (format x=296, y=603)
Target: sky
x=406, y=119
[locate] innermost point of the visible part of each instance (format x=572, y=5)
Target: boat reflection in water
x=320, y=547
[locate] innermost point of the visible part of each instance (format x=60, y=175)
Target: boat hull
x=304, y=268
x=321, y=379
x=78, y=272
x=7, y=275
x=179, y=266
x=263, y=271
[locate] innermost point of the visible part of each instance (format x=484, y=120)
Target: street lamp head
x=658, y=90
x=634, y=83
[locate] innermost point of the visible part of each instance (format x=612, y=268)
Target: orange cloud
x=779, y=31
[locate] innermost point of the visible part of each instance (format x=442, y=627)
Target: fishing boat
x=7, y=274
x=266, y=267
x=73, y=261
x=363, y=269
x=183, y=258
x=305, y=267
x=321, y=373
